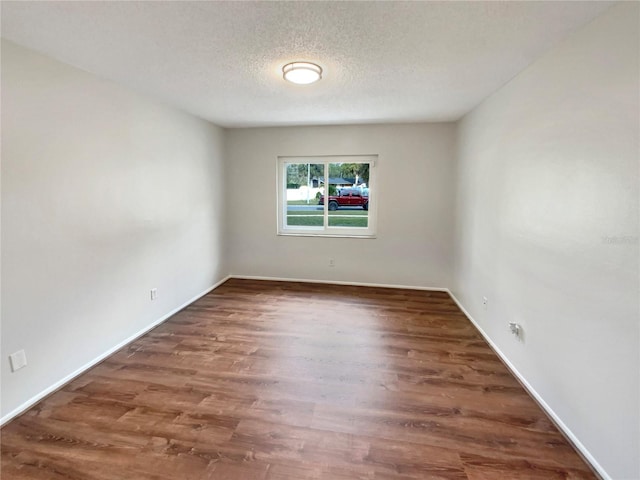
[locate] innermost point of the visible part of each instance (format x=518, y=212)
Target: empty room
x=320, y=240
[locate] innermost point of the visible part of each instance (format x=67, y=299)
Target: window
x=327, y=196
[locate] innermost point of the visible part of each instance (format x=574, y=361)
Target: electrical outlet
x=516, y=329
x=154, y=293
x=485, y=303
x=332, y=262
x=18, y=360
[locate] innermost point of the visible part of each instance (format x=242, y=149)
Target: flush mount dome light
x=302, y=73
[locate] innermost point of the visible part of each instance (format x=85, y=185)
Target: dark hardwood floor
x=287, y=381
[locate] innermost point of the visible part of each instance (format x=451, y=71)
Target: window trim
x=337, y=232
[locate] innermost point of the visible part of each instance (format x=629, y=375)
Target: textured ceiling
x=382, y=61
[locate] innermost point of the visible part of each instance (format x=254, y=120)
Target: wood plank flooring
x=286, y=381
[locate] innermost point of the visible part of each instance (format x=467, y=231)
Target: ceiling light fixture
x=302, y=73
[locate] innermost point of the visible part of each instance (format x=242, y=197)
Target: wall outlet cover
x=18, y=360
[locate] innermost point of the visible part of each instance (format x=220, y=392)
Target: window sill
x=325, y=235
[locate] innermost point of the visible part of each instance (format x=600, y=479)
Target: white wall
x=547, y=229
x=415, y=223
x=105, y=194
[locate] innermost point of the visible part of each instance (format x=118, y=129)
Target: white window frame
x=326, y=230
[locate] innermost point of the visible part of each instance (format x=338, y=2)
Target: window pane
x=349, y=195
x=326, y=196
x=304, y=188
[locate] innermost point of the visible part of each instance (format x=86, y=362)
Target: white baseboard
x=538, y=398
x=337, y=282
x=556, y=419
x=62, y=382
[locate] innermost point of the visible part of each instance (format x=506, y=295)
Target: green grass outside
x=361, y=213
x=317, y=221
x=305, y=221
x=348, y=222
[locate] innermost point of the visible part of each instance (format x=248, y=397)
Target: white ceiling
x=382, y=61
